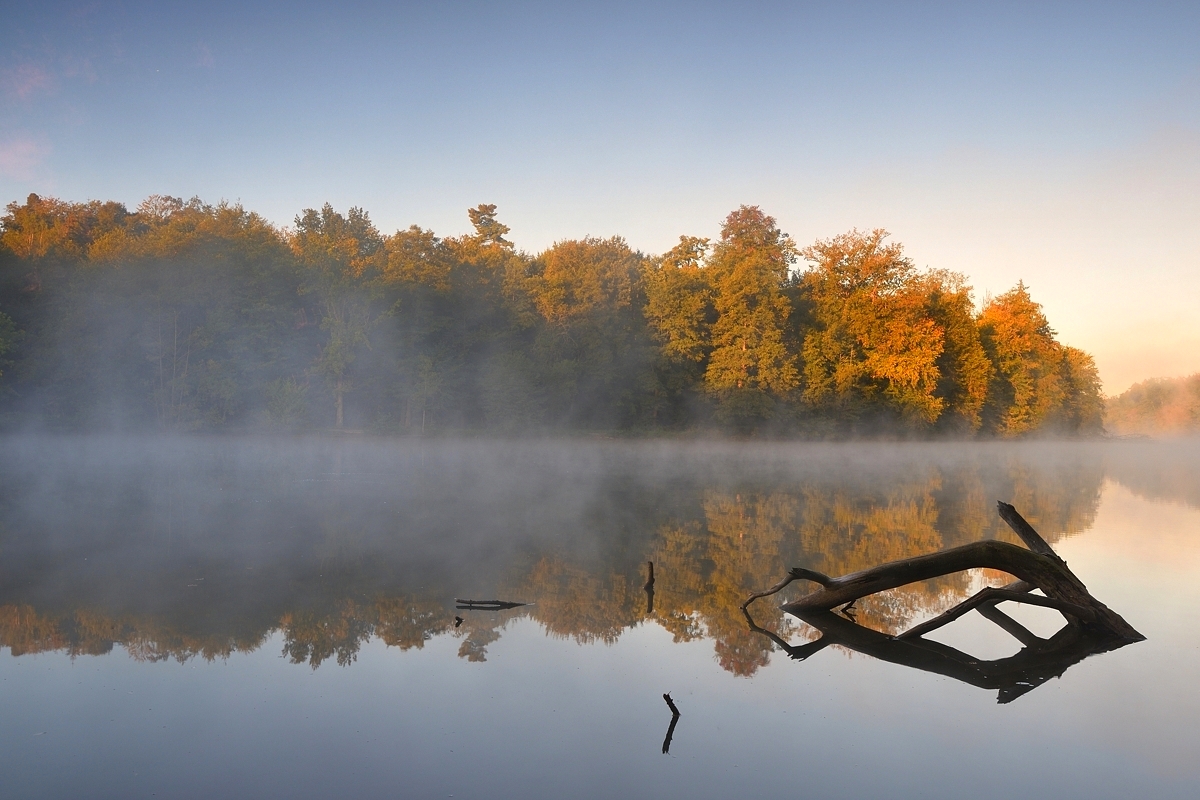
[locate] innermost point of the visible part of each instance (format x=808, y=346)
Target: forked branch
x=794, y=574
x=1038, y=567
x=1091, y=627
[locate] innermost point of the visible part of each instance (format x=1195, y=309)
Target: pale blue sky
x=1055, y=143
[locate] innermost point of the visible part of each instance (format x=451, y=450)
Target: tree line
x=188, y=316
x=1157, y=406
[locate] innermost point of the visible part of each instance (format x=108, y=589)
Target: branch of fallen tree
x=1091, y=627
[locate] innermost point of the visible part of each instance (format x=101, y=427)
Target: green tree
x=501, y=387
x=751, y=365
x=593, y=349
x=963, y=367
x=9, y=336
x=680, y=312
x=459, y=324
x=1084, y=411
x=340, y=256
x=488, y=229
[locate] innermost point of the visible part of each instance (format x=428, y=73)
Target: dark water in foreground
x=205, y=618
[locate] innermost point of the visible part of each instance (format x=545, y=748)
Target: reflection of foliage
x=87, y=632
x=310, y=639
x=406, y=623
x=1159, y=472
x=712, y=539
x=679, y=557
x=745, y=538
x=480, y=630
x=23, y=631
x=573, y=602
x=708, y=564
x=474, y=646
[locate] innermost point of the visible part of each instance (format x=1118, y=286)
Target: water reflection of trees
x=709, y=561
x=712, y=539
x=1159, y=471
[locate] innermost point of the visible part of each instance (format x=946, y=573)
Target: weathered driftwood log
x=1091, y=627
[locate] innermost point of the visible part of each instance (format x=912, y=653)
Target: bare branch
x=1032, y=539
x=991, y=596
x=794, y=574
x=1009, y=625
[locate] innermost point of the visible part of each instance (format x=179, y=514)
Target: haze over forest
x=185, y=316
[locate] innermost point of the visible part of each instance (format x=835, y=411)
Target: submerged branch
x=1009, y=625
x=1091, y=627
x=794, y=574
x=990, y=596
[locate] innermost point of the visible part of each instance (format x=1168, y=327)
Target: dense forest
x=184, y=316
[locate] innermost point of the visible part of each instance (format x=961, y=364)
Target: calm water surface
x=198, y=618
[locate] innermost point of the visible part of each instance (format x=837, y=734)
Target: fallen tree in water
x=1091, y=626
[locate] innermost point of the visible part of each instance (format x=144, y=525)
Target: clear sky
x=1056, y=143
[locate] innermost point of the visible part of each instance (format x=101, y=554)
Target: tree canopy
x=181, y=315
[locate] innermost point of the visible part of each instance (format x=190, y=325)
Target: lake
x=205, y=617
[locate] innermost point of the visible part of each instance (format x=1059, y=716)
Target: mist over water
x=175, y=554
x=244, y=532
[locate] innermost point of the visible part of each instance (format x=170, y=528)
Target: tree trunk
x=339, y=391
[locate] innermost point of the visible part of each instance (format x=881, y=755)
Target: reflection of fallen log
x=486, y=605
x=1091, y=626
x=674, y=722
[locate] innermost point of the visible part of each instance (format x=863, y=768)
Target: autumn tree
x=503, y=385
x=455, y=341
x=750, y=366
x=680, y=311
x=874, y=346
x=1084, y=404
x=593, y=350
x=963, y=366
x=1027, y=391
x=44, y=228
x=222, y=294
x=43, y=246
x=418, y=287
x=340, y=256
